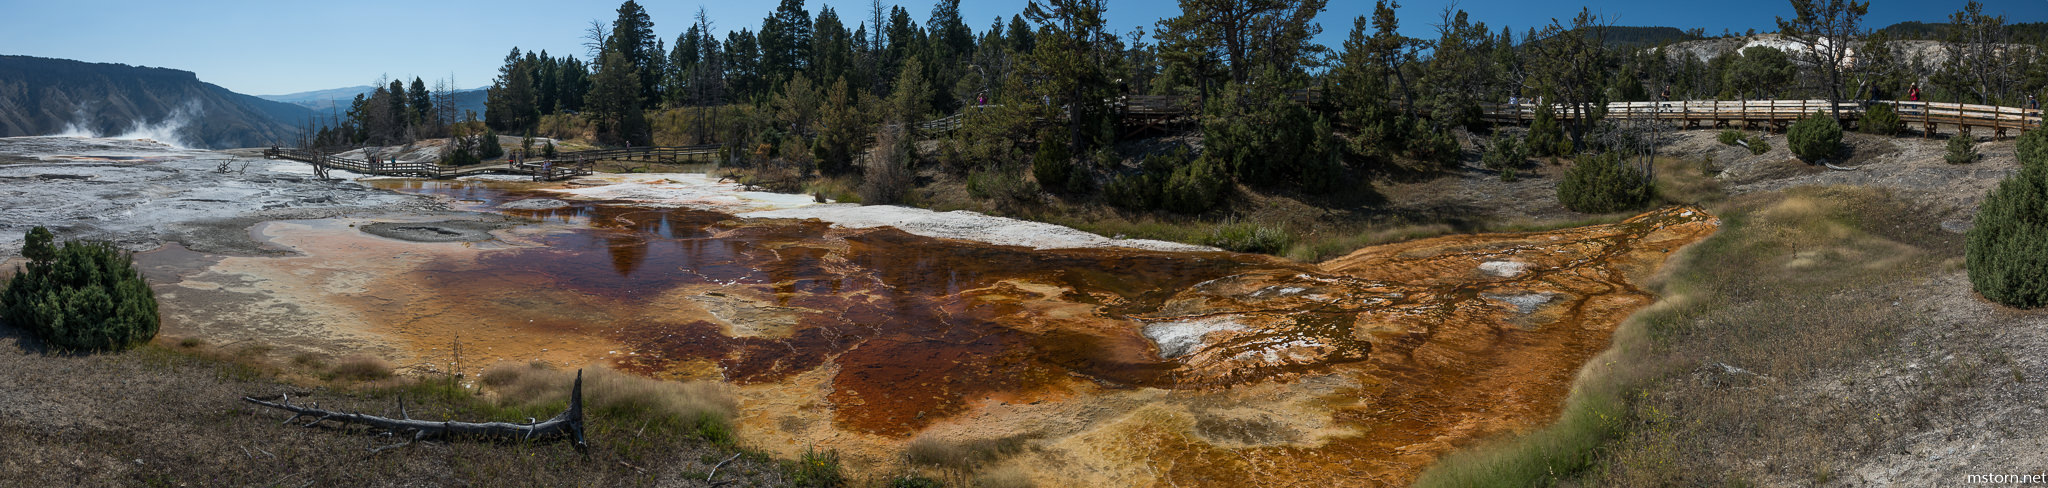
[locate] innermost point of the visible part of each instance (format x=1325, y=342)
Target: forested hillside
x=40, y=96
x=1041, y=94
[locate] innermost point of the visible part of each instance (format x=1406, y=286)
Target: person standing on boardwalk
x=1913, y=94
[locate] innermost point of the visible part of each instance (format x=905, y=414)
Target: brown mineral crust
x=1382, y=359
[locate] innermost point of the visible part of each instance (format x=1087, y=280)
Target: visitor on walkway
x=1913, y=93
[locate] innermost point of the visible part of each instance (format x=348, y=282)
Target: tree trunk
x=568, y=423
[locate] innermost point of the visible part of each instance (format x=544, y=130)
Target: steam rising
x=167, y=131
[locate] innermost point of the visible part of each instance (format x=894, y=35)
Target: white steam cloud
x=167, y=131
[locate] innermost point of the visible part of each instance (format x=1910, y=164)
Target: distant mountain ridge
x=44, y=96
x=335, y=101
x=320, y=100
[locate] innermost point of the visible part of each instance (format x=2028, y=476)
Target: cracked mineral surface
x=1123, y=364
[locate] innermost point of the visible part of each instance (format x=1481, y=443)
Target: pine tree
x=2007, y=247
x=785, y=42
x=1070, y=60
x=83, y=296
x=831, y=48
x=422, y=102
x=509, y=103
x=633, y=38
x=912, y=99
x=614, y=102
x=742, y=65
x=400, y=116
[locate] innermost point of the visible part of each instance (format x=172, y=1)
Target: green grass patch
x=1790, y=286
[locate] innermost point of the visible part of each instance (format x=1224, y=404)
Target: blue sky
x=272, y=47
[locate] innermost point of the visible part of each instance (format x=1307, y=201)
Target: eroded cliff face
x=1117, y=367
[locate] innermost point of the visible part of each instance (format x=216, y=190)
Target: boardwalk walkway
x=1778, y=114
x=561, y=166
x=1139, y=113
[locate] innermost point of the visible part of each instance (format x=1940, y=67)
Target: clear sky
x=277, y=47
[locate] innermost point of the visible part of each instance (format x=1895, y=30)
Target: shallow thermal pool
x=1119, y=365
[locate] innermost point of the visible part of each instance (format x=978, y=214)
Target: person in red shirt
x=1913, y=93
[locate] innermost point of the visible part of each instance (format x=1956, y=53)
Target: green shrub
x=1000, y=184
x=2007, y=249
x=1757, y=144
x=1169, y=181
x=820, y=469
x=1546, y=135
x=84, y=296
x=489, y=147
x=2033, y=147
x=1815, y=137
x=548, y=150
x=1052, y=165
x=1138, y=191
x=1880, y=119
x=1434, y=144
x=1195, y=187
x=1603, y=183
x=914, y=481
x=1276, y=144
x=1503, y=154
x=1731, y=137
x=1962, y=149
x=1248, y=237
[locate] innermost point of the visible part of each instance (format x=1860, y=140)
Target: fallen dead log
x=568, y=423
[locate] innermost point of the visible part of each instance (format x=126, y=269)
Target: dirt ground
x=163, y=416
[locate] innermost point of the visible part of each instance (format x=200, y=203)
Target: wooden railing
x=650, y=153
x=1778, y=113
x=563, y=165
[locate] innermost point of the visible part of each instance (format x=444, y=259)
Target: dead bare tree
x=569, y=423
x=595, y=38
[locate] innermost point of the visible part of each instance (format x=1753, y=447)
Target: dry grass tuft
x=1004, y=477
x=361, y=368
x=700, y=406
x=963, y=455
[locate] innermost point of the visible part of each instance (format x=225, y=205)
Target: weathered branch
x=568, y=423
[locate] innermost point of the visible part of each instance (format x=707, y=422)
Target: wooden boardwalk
x=1141, y=113
x=1778, y=114
x=562, y=166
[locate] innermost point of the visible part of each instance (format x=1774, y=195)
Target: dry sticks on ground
x=568, y=423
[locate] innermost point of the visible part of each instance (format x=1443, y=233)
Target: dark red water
x=915, y=324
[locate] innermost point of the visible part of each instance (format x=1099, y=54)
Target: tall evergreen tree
x=399, y=116
x=785, y=42
x=572, y=82
x=1246, y=31
x=1571, y=62
x=831, y=48
x=421, y=102
x=614, y=102
x=1069, y=62
x=1021, y=37
x=633, y=38
x=742, y=65
x=509, y=103
x=682, y=64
